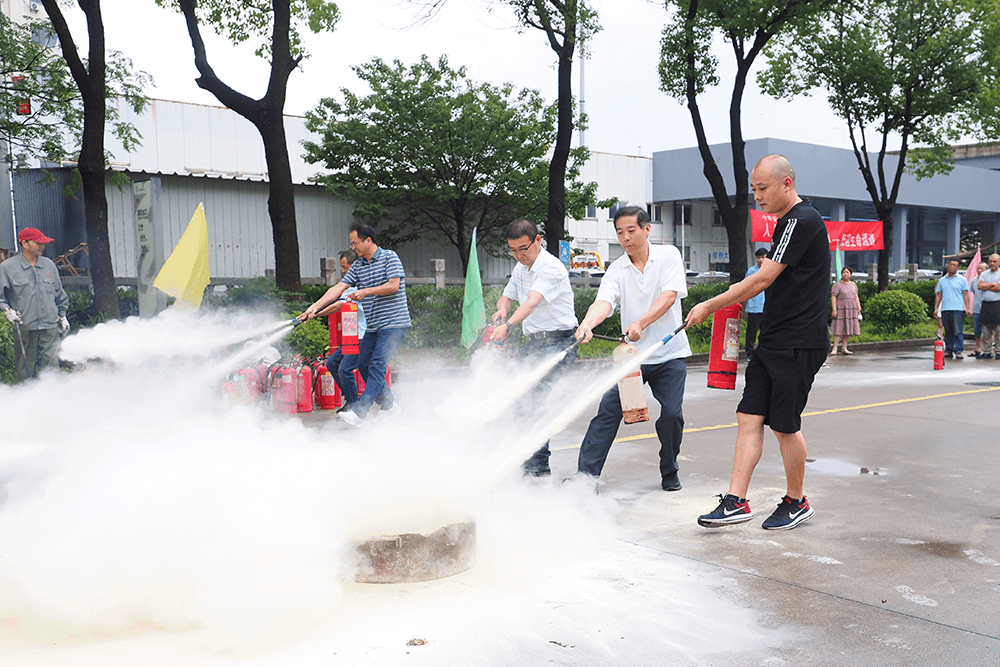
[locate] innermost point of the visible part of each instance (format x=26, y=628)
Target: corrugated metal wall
x=241, y=244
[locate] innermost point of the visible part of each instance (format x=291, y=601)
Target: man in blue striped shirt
x=381, y=290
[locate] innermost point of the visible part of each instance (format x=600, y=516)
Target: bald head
x=994, y=262
x=773, y=185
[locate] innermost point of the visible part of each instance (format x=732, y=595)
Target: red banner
x=853, y=235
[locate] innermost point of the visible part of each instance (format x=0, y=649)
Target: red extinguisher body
x=361, y=383
x=327, y=390
x=304, y=388
x=284, y=397
x=725, y=351
x=344, y=328
x=939, y=355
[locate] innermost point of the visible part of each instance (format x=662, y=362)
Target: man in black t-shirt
x=793, y=345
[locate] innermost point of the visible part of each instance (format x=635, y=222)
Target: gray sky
x=628, y=112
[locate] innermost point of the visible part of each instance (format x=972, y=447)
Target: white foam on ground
x=144, y=520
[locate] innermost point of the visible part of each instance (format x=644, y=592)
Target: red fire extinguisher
x=327, y=391
x=361, y=383
x=344, y=328
x=488, y=343
x=725, y=350
x=939, y=355
x=630, y=393
x=282, y=385
x=304, y=387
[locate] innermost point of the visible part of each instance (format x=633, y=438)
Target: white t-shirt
x=548, y=277
x=633, y=292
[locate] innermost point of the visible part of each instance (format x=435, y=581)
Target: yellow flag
x=185, y=273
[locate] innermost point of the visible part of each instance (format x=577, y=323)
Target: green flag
x=840, y=263
x=473, y=308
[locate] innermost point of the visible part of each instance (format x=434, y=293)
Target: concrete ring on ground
x=412, y=557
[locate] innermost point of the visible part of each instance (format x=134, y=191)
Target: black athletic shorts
x=777, y=386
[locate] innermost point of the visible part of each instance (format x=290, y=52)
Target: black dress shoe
x=671, y=483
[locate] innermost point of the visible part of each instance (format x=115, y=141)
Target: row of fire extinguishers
x=296, y=387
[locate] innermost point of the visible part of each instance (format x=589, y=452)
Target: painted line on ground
x=646, y=436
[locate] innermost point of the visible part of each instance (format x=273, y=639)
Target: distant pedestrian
x=954, y=299
x=977, y=304
x=340, y=365
x=989, y=314
x=846, y=311
x=793, y=345
x=755, y=307
x=33, y=300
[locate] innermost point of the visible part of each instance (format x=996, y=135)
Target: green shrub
x=583, y=297
x=866, y=290
x=81, y=312
x=894, y=310
x=261, y=293
x=310, y=340
x=8, y=374
x=925, y=289
x=700, y=337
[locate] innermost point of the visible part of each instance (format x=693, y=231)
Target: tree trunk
x=883, y=254
x=91, y=80
x=281, y=203
x=555, y=222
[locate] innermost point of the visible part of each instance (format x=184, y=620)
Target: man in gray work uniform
x=33, y=301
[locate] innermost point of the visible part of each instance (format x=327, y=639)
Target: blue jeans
x=666, y=380
x=377, y=349
x=543, y=347
x=953, y=339
x=341, y=367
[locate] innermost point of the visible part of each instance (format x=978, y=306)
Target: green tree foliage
x=894, y=310
x=74, y=100
x=899, y=73
x=429, y=153
x=687, y=67
x=277, y=24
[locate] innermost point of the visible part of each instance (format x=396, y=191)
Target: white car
x=593, y=273
x=922, y=274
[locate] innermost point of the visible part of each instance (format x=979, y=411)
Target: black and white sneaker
x=731, y=510
x=790, y=513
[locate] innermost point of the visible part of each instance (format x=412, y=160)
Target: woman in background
x=846, y=311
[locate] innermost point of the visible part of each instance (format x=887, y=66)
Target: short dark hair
x=640, y=214
x=760, y=251
x=521, y=227
x=350, y=256
x=364, y=231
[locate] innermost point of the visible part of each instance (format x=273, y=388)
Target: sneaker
x=350, y=417
x=790, y=513
x=731, y=510
x=388, y=411
x=947, y=355
x=537, y=471
x=671, y=483
x=958, y=355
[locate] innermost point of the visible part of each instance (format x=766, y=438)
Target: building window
x=682, y=213
x=716, y=217
x=591, y=211
x=655, y=212
x=614, y=209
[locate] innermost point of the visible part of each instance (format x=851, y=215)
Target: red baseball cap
x=32, y=234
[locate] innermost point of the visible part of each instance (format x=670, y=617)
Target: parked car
x=922, y=274
x=579, y=273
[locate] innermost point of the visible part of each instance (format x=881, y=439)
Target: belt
x=541, y=335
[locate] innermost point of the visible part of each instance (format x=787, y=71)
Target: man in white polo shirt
x=647, y=284
x=540, y=284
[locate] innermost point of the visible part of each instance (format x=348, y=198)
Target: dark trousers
x=542, y=347
x=953, y=338
x=41, y=350
x=666, y=380
x=753, y=328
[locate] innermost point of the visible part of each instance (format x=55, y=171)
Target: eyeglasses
x=518, y=251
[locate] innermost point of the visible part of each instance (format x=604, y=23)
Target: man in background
x=755, y=307
x=34, y=302
x=953, y=298
x=989, y=312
